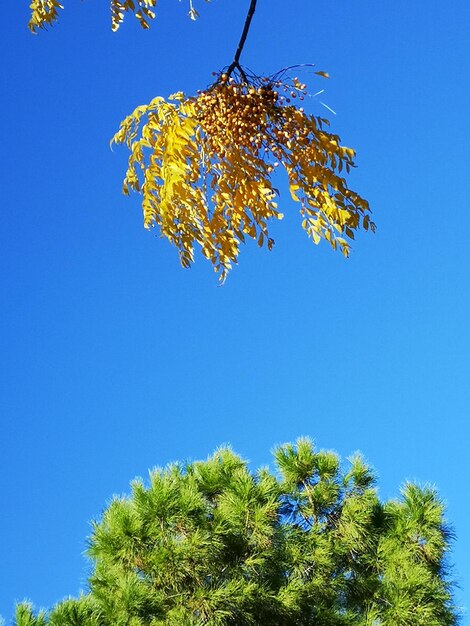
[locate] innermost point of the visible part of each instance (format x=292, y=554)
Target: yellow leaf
x=178, y=95
x=316, y=237
x=293, y=187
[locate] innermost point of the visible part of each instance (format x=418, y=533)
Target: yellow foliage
x=204, y=165
x=45, y=12
x=142, y=10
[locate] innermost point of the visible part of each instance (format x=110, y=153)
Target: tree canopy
x=205, y=164
x=310, y=544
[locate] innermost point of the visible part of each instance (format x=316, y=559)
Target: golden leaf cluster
x=204, y=167
x=43, y=13
x=142, y=10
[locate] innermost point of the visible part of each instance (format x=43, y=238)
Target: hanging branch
x=236, y=59
x=214, y=187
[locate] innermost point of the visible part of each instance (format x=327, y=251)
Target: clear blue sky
x=114, y=359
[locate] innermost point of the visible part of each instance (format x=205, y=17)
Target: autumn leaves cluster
x=204, y=166
x=45, y=13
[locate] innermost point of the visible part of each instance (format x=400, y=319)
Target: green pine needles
x=212, y=543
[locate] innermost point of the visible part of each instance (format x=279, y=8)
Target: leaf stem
x=236, y=59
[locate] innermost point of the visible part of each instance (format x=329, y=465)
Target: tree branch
x=236, y=59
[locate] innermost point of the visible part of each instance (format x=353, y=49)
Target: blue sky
x=115, y=359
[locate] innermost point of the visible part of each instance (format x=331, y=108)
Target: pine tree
x=310, y=544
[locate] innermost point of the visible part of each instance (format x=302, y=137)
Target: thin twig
x=236, y=59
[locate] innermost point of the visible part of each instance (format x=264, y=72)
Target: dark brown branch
x=246, y=28
x=236, y=59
